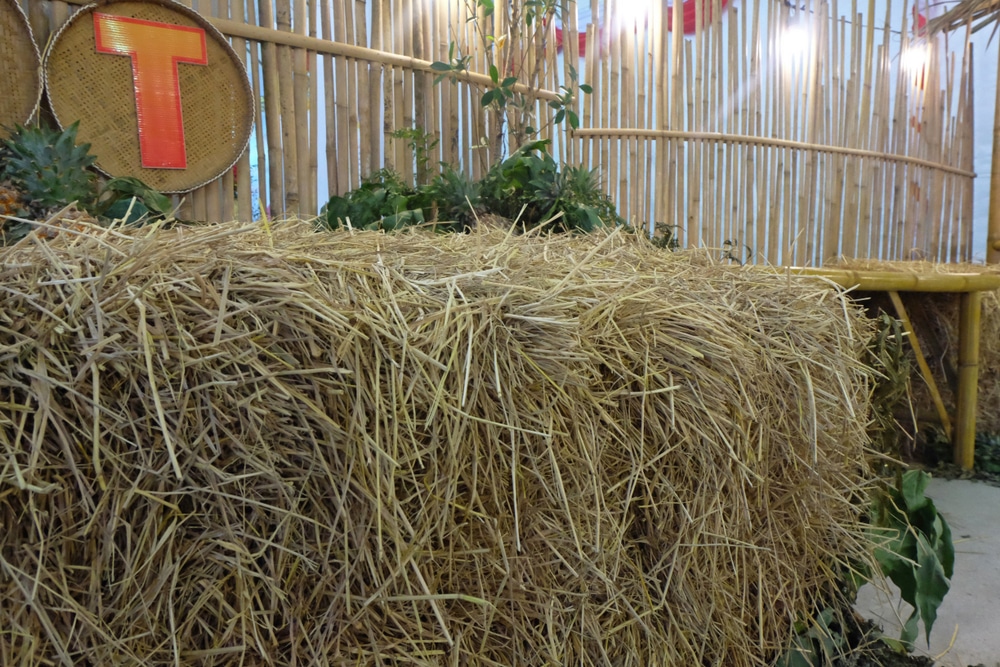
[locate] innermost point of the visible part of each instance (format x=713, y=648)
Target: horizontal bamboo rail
x=594, y=132
x=280, y=37
x=903, y=281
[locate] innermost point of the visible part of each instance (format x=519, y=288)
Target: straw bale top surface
x=266, y=444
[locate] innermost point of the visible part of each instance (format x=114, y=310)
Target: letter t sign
x=155, y=49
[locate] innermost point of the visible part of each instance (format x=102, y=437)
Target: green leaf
x=574, y=120
x=587, y=88
x=946, y=549
x=488, y=97
x=509, y=81
x=910, y=630
x=559, y=116
x=932, y=585
x=439, y=66
x=402, y=219
x=494, y=74
x=914, y=485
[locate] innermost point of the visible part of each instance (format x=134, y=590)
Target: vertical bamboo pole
x=660, y=73
x=286, y=88
x=376, y=73
x=968, y=141
x=333, y=178
x=312, y=66
x=367, y=79
x=300, y=101
x=421, y=84
x=970, y=308
x=342, y=100
x=353, y=98
x=272, y=114
x=993, y=222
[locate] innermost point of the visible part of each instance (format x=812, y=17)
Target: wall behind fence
x=791, y=134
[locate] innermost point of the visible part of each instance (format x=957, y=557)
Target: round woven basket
x=98, y=90
x=20, y=78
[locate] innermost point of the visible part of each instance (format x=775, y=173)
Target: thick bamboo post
x=993, y=233
x=968, y=378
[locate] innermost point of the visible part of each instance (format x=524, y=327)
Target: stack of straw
x=236, y=445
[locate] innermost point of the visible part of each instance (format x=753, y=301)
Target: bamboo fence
x=791, y=134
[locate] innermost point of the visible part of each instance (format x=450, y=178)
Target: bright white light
x=794, y=43
x=631, y=13
x=913, y=59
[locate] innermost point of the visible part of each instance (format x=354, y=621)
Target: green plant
x=732, y=250
x=422, y=145
x=457, y=200
x=514, y=73
x=816, y=642
x=131, y=200
x=529, y=187
x=382, y=202
x=916, y=551
x=48, y=169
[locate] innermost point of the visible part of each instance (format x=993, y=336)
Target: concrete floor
x=967, y=631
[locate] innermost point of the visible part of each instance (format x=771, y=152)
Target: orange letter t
x=155, y=49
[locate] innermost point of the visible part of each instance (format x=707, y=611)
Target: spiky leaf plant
x=48, y=169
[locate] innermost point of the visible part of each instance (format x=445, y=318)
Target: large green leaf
x=913, y=487
x=932, y=584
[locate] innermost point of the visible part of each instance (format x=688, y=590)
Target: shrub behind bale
x=235, y=445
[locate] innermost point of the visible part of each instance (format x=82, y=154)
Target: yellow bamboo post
x=993, y=233
x=272, y=113
x=365, y=81
x=332, y=121
x=300, y=97
x=970, y=308
x=314, y=112
x=925, y=369
x=286, y=88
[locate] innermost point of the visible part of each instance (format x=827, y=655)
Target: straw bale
x=267, y=446
x=935, y=319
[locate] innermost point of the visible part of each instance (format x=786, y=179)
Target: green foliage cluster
x=48, y=170
x=917, y=552
x=528, y=188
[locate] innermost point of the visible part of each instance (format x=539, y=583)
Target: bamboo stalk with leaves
x=516, y=66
